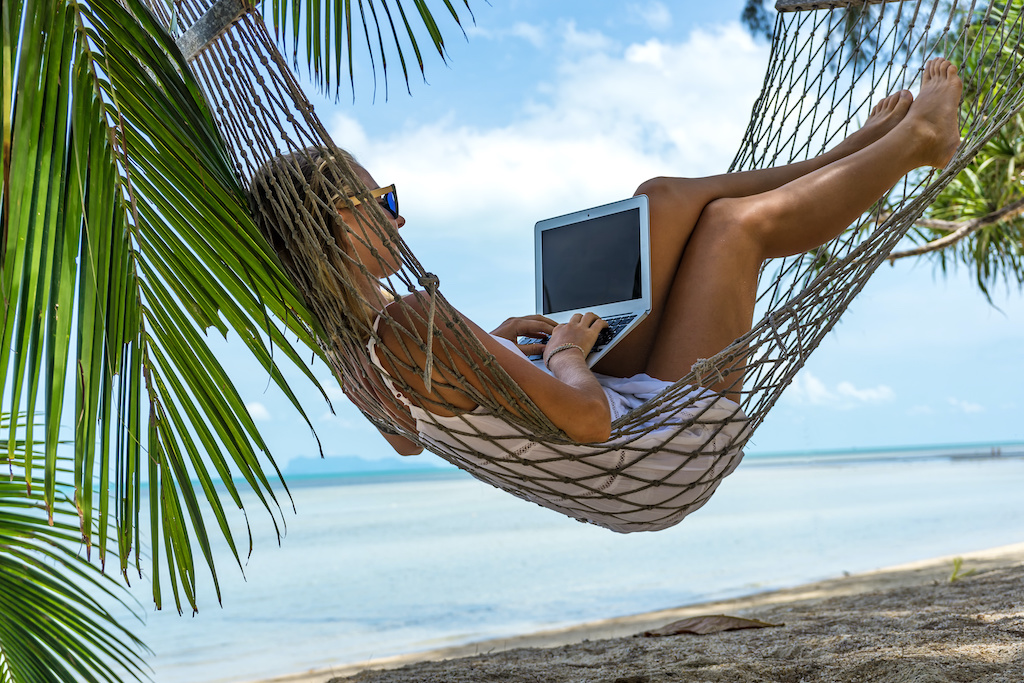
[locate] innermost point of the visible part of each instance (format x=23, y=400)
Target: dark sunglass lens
x=391, y=203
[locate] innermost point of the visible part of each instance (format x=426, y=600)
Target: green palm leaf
x=995, y=252
x=127, y=238
x=324, y=34
x=52, y=627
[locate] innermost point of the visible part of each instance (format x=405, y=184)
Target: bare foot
x=883, y=117
x=934, y=115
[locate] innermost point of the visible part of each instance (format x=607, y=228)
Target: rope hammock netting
x=830, y=62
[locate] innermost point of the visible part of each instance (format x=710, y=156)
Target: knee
x=671, y=193
x=734, y=220
x=656, y=189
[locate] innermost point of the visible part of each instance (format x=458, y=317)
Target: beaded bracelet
x=563, y=347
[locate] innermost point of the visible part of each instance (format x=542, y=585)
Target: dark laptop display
x=593, y=262
x=596, y=260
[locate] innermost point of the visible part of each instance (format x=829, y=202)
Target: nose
x=400, y=221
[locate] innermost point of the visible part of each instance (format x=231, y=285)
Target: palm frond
x=995, y=253
x=53, y=626
x=325, y=35
x=126, y=240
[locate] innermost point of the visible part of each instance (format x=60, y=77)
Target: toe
x=887, y=103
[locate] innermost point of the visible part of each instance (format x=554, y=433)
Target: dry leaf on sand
x=715, y=623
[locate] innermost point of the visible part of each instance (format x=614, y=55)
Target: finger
x=544, y=326
x=532, y=349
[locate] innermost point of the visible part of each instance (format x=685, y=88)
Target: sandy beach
x=905, y=624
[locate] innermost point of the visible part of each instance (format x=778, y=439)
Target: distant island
x=354, y=464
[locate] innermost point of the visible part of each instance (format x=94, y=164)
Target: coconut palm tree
x=125, y=241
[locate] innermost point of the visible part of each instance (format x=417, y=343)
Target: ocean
x=379, y=565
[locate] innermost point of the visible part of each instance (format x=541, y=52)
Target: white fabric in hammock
x=644, y=483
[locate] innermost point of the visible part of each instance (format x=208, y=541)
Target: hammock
x=819, y=82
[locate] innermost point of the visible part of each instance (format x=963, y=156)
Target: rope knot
x=775, y=324
x=430, y=282
x=704, y=367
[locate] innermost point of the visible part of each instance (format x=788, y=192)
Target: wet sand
x=906, y=624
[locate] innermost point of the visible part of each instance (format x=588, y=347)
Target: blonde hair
x=295, y=200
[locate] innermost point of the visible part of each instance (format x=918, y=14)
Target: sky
x=550, y=107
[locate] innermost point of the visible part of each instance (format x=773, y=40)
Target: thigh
x=711, y=300
x=676, y=205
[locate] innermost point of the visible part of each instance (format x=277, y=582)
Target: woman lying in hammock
x=709, y=237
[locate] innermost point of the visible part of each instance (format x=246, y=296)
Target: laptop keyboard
x=616, y=323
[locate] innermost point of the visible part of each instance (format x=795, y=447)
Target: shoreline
x=809, y=598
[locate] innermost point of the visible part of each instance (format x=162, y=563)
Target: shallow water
x=374, y=569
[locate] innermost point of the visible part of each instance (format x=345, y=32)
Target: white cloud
x=531, y=33
x=609, y=118
x=879, y=394
x=343, y=422
x=807, y=389
x=655, y=15
x=334, y=392
x=651, y=53
x=965, y=406
x=575, y=40
x=258, y=411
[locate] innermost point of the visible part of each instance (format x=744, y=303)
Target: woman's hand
x=536, y=326
x=581, y=330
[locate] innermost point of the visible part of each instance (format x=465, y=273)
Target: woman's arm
x=573, y=400
x=402, y=445
x=565, y=354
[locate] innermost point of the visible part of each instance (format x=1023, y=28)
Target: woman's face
x=363, y=238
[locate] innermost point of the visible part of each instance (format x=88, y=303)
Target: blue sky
x=550, y=107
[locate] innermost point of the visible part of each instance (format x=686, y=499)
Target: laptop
x=596, y=260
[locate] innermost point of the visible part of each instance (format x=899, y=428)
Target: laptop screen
x=592, y=262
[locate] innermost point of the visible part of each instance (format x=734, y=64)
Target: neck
x=371, y=291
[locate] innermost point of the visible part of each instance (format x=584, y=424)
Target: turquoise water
x=373, y=567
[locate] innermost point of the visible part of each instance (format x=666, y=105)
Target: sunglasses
x=387, y=197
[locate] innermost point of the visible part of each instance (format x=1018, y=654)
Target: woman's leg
x=883, y=118
x=677, y=203
x=711, y=300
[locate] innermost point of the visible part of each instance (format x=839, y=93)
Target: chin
x=383, y=270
